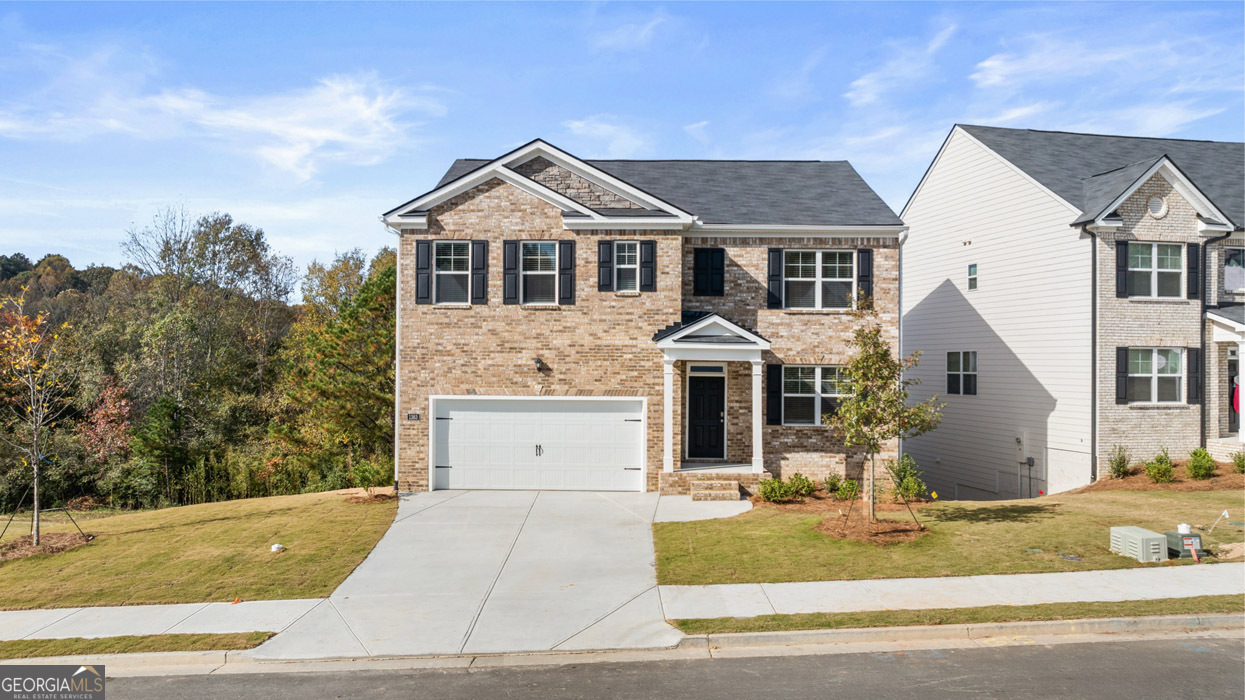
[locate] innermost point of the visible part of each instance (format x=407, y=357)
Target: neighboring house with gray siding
x=633, y=325
x=1070, y=293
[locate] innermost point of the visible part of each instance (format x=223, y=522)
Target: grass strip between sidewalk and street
x=78, y=646
x=963, y=616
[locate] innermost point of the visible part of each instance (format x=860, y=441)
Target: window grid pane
x=1140, y=256
x=836, y=266
x=540, y=257
x=801, y=264
x=627, y=253
x=834, y=381
x=1169, y=257
x=452, y=257
x=798, y=380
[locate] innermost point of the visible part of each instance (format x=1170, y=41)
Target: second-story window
x=626, y=265
x=540, y=272
x=452, y=269
x=1234, y=269
x=818, y=279
x=1154, y=269
x=962, y=373
x=972, y=276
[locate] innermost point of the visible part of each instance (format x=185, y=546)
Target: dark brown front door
x=706, y=400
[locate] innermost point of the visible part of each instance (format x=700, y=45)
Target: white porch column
x=667, y=415
x=757, y=459
x=1240, y=362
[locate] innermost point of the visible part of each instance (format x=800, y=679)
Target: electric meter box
x=1180, y=545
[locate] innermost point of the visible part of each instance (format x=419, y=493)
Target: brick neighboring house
x=631, y=325
x=1073, y=292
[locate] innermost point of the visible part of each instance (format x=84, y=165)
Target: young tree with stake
x=35, y=383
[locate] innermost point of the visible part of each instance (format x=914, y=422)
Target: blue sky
x=309, y=120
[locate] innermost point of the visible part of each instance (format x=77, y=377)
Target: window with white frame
x=972, y=276
x=626, y=266
x=811, y=394
x=1155, y=269
x=1154, y=375
x=540, y=272
x=1234, y=269
x=452, y=272
x=819, y=279
x=962, y=373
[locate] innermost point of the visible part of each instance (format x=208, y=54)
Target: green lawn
x=209, y=552
x=32, y=648
x=959, y=616
x=966, y=538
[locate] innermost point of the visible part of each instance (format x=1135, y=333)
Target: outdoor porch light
x=540, y=364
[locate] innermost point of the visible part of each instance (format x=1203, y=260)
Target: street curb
x=979, y=630
x=700, y=646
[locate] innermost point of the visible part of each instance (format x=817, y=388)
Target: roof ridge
x=1109, y=136
x=1129, y=164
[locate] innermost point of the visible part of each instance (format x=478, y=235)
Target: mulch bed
x=857, y=527
x=49, y=543
x=1223, y=480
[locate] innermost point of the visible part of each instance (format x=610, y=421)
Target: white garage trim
x=432, y=423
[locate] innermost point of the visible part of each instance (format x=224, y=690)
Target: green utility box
x=1181, y=545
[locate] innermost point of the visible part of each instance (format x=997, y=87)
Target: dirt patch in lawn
x=368, y=496
x=856, y=526
x=1223, y=480
x=49, y=543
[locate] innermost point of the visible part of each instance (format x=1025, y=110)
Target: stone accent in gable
x=569, y=184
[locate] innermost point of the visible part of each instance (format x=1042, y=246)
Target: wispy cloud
x=698, y=131
x=798, y=84
x=602, y=134
x=627, y=36
x=909, y=63
x=354, y=119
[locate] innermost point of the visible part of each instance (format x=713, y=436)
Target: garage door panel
x=585, y=444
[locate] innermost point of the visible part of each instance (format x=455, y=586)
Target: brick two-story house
x=632, y=325
x=1072, y=293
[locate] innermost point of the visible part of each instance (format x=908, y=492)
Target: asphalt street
x=1210, y=667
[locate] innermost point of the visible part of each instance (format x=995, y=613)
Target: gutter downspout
x=397, y=349
x=1205, y=283
x=1093, y=354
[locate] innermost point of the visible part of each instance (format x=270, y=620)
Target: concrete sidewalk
x=752, y=599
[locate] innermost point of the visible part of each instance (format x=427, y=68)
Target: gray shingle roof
x=1103, y=189
x=1235, y=313
x=1063, y=161
x=797, y=193
x=687, y=318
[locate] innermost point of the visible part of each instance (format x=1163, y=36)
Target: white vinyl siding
x=1032, y=329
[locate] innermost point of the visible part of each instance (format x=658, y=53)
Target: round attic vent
x=1157, y=206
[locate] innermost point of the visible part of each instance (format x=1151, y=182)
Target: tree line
x=187, y=375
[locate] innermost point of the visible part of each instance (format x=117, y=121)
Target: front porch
x=712, y=393
x=1226, y=343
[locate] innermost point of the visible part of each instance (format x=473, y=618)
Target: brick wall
x=1145, y=428
x=602, y=345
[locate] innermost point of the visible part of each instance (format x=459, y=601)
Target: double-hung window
x=1154, y=375
x=452, y=272
x=811, y=394
x=972, y=276
x=1154, y=269
x=626, y=266
x=962, y=372
x=540, y=272
x=1234, y=269
x=819, y=279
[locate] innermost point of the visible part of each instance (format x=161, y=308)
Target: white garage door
x=565, y=444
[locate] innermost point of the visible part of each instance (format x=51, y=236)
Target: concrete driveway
x=463, y=572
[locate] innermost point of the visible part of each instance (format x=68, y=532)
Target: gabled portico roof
x=705, y=330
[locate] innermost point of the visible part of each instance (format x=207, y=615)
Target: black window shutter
x=423, y=272
x=717, y=272
x=864, y=276
x=1121, y=375
x=700, y=272
x=510, y=272
x=566, y=272
x=774, y=300
x=1193, y=263
x=1193, y=361
x=773, y=395
x=605, y=266
x=1121, y=269
x=479, y=272
x=648, y=266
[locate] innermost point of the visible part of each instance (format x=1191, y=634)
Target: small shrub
x=849, y=490
x=776, y=491
x=833, y=481
x=1238, y=462
x=801, y=485
x=907, y=478
x=1201, y=465
x=1160, y=469
x=1120, y=462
